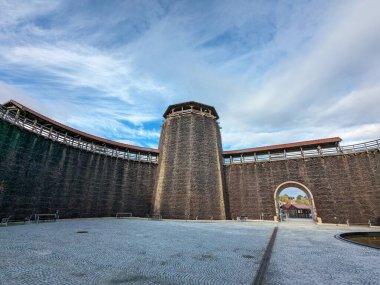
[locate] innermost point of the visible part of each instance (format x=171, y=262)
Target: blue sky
x=292, y=192
x=276, y=71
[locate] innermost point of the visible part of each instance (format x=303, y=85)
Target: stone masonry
x=345, y=187
x=38, y=175
x=189, y=181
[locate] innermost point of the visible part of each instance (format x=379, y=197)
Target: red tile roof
x=297, y=206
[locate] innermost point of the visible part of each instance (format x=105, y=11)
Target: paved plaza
x=141, y=251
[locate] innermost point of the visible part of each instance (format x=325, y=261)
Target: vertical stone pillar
x=190, y=182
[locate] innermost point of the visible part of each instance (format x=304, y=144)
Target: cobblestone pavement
x=131, y=251
x=308, y=254
x=139, y=251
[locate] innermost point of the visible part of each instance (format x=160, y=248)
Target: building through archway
x=294, y=200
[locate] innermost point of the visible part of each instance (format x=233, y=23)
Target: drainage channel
x=260, y=275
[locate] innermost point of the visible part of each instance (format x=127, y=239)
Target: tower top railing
x=14, y=116
x=300, y=153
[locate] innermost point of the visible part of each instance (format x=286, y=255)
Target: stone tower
x=190, y=181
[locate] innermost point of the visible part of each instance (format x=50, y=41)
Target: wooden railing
x=13, y=117
x=300, y=153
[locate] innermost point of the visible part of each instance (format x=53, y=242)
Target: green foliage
x=284, y=198
x=298, y=200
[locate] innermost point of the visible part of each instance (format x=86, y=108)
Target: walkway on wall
x=21, y=116
x=300, y=150
x=32, y=121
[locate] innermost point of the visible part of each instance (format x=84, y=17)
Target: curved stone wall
x=38, y=175
x=344, y=186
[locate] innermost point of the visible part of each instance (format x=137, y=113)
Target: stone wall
x=189, y=181
x=38, y=175
x=345, y=186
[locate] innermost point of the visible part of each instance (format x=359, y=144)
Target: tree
x=284, y=198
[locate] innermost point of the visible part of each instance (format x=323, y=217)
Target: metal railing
x=297, y=154
x=13, y=117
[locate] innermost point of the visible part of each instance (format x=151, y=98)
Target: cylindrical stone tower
x=190, y=182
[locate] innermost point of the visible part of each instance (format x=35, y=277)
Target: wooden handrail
x=17, y=119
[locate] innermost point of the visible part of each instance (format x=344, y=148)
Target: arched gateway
x=295, y=184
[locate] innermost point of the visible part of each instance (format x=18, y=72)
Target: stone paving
x=140, y=251
x=131, y=251
x=305, y=253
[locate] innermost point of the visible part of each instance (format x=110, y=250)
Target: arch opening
x=294, y=201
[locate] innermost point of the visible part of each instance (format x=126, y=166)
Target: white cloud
x=275, y=72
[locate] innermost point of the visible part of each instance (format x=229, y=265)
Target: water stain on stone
x=248, y=256
x=78, y=274
x=176, y=255
x=129, y=279
x=205, y=257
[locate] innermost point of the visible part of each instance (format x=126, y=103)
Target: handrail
x=301, y=153
x=15, y=118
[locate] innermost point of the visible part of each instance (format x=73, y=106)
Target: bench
x=45, y=217
x=4, y=221
x=123, y=215
x=156, y=217
x=242, y=218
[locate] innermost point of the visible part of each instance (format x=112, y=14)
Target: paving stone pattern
x=131, y=251
x=140, y=251
x=309, y=254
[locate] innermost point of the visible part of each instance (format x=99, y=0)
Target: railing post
x=34, y=126
x=319, y=150
x=284, y=153
x=302, y=153
x=6, y=114
x=17, y=116
x=269, y=156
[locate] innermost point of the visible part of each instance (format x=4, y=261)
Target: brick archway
x=300, y=186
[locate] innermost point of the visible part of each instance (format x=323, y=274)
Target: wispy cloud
x=276, y=72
